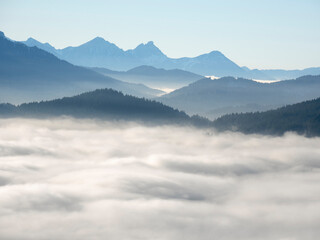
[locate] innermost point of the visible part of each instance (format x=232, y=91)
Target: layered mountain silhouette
x=107, y=104
x=104, y=104
x=153, y=77
x=41, y=72
x=101, y=53
x=280, y=74
x=214, y=98
x=29, y=74
x=302, y=118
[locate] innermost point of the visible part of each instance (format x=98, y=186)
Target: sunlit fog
x=86, y=179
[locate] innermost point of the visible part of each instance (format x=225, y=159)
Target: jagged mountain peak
x=30, y=39
x=31, y=42
x=147, y=49
x=148, y=44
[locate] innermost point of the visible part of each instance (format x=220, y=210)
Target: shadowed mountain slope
x=213, y=98
x=29, y=73
x=302, y=118
x=153, y=77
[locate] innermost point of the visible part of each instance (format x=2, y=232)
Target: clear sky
x=254, y=33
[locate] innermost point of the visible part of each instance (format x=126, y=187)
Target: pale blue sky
x=255, y=33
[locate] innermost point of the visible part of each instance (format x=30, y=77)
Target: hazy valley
x=211, y=130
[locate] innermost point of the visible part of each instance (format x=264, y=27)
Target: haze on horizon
x=264, y=34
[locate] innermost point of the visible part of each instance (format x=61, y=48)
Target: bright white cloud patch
x=69, y=179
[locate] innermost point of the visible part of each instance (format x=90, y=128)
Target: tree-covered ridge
x=104, y=104
x=302, y=118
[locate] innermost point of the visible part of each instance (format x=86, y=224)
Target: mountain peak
x=100, y=43
x=2, y=34
x=31, y=40
x=216, y=53
x=147, y=49
x=150, y=43
x=97, y=40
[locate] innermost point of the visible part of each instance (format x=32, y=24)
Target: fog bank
x=72, y=179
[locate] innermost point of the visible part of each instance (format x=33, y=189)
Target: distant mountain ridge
x=103, y=54
x=214, y=98
x=153, y=77
x=290, y=74
x=30, y=74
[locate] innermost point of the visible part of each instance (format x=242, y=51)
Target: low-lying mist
x=72, y=179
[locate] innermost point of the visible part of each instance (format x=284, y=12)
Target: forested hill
x=103, y=104
x=302, y=118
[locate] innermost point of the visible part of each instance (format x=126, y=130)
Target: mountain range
x=280, y=74
x=214, y=98
x=103, y=54
x=33, y=73
x=153, y=77
x=30, y=74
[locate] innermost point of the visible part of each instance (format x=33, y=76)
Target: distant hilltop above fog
x=100, y=53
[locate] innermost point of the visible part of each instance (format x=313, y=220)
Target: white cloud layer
x=70, y=179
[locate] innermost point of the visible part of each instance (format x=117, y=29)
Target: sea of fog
x=83, y=179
